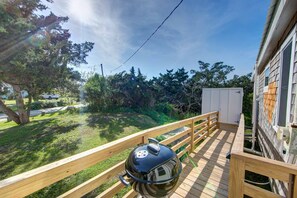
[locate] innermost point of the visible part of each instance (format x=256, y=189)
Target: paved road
x=3, y=117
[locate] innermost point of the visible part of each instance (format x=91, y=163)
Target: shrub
x=160, y=138
x=36, y=105
x=49, y=104
x=97, y=93
x=73, y=110
x=10, y=97
x=92, y=108
x=164, y=108
x=168, y=109
x=61, y=103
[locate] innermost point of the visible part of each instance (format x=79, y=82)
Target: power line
x=149, y=37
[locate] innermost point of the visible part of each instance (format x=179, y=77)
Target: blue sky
x=211, y=31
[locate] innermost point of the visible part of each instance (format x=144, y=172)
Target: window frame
x=290, y=38
x=265, y=89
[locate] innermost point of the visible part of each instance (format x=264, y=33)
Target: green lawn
x=69, y=101
x=11, y=104
x=56, y=136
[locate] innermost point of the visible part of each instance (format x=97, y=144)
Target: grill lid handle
x=122, y=179
x=153, y=146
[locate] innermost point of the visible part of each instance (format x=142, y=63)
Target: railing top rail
x=240, y=162
x=238, y=142
x=238, y=146
x=266, y=164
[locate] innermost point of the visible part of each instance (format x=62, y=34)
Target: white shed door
x=228, y=101
x=224, y=106
x=235, y=106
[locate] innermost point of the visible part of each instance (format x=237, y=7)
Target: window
x=266, y=80
x=266, y=76
x=284, y=84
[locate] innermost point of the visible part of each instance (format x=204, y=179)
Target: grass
x=55, y=136
x=12, y=104
x=9, y=102
x=248, y=131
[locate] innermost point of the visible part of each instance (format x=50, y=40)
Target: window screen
x=284, y=85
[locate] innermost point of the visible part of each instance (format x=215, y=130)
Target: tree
x=72, y=85
x=46, y=51
x=170, y=87
x=246, y=83
x=177, y=88
x=120, y=90
x=208, y=76
x=20, y=24
x=131, y=90
x=97, y=91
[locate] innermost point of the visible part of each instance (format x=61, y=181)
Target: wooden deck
x=210, y=176
x=205, y=175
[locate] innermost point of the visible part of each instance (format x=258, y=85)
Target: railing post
x=145, y=139
x=218, y=124
x=208, y=126
x=292, y=186
x=192, y=135
x=294, y=193
x=236, y=177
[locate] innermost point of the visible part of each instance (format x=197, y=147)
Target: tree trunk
x=10, y=113
x=29, y=104
x=24, y=118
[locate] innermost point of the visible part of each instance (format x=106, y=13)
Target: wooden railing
x=24, y=184
x=241, y=162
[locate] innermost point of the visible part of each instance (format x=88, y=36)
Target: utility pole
x=102, y=70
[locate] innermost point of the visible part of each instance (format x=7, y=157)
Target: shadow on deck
x=205, y=173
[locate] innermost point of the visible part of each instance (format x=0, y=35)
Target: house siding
x=274, y=82
x=268, y=101
x=268, y=106
x=272, y=147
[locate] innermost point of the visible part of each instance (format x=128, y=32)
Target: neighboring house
x=10, y=93
x=275, y=86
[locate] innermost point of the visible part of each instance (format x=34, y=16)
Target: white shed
x=228, y=101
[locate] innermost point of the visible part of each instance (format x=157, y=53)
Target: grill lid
x=153, y=163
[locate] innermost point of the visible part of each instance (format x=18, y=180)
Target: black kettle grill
x=152, y=169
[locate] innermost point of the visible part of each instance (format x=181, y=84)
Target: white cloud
x=119, y=27
x=82, y=11
x=99, y=22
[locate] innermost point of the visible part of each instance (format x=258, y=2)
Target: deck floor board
x=209, y=176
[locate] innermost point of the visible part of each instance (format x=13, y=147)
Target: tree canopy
x=179, y=88
x=35, y=52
